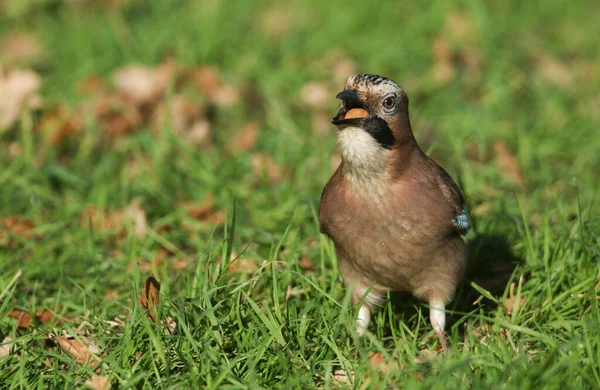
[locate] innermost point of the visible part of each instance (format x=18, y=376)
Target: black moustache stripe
x=379, y=129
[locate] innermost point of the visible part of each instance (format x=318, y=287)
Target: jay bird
x=395, y=216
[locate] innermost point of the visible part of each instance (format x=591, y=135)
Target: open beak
x=351, y=101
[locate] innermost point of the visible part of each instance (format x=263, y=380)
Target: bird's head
x=372, y=121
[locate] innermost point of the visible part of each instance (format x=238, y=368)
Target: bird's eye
x=389, y=102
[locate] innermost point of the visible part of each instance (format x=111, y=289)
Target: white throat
x=363, y=157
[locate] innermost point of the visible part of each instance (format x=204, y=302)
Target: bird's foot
x=442, y=336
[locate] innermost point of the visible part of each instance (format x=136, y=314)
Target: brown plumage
x=394, y=215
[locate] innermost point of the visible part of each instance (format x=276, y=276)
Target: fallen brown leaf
x=59, y=124
x=23, y=318
x=17, y=92
x=149, y=297
x=111, y=295
x=5, y=347
x=342, y=377
x=138, y=216
x=245, y=139
x=209, y=83
x=116, y=221
x=43, y=316
x=293, y=292
x=205, y=210
x=98, y=382
x=18, y=46
x=243, y=265
x=508, y=163
x=263, y=164
x=15, y=226
x=509, y=303
x=185, y=117
x=79, y=350
x=306, y=263
x=171, y=325
x=142, y=84
x=377, y=363
x=92, y=85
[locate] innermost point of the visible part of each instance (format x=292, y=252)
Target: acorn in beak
x=352, y=112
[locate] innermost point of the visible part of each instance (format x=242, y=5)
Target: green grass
x=238, y=329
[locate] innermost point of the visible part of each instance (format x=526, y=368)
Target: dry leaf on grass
x=208, y=81
x=98, y=382
x=81, y=351
x=18, y=46
x=170, y=325
x=508, y=163
x=204, y=210
x=142, y=84
x=306, y=263
x=162, y=257
x=242, y=265
x=377, y=363
x=509, y=303
x=293, y=292
x=43, y=316
x=341, y=377
x=23, y=318
x=149, y=297
x=5, y=347
x=17, y=91
x=265, y=165
x=115, y=221
x=138, y=216
x=92, y=85
x=13, y=227
x=245, y=139
x=59, y=124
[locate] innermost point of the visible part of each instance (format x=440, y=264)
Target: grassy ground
x=503, y=95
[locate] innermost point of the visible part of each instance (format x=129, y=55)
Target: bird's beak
x=351, y=101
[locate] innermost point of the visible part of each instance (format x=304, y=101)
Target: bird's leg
x=363, y=320
x=437, y=317
x=367, y=303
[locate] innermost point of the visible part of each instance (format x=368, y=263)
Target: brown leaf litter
x=510, y=303
x=509, y=166
x=6, y=347
x=116, y=221
x=81, y=350
x=245, y=139
x=149, y=297
x=205, y=210
x=19, y=47
x=14, y=229
x=98, y=382
x=18, y=91
x=264, y=165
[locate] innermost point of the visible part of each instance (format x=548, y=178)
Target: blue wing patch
x=462, y=222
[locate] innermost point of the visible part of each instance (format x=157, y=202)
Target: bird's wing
x=461, y=221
